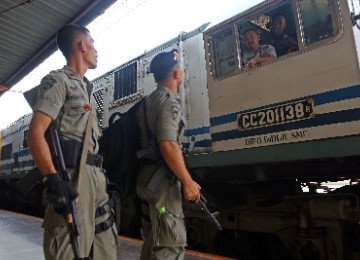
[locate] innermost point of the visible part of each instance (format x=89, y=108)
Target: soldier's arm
x=37, y=143
x=174, y=159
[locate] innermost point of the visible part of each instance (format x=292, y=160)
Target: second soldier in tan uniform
x=64, y=96
x=163, y=222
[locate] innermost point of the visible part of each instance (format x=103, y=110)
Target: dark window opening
x=25, y=143
x=6, y=151
x=125, y=81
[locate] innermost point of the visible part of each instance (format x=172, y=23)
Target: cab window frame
x=212, y=46
x=336, y=23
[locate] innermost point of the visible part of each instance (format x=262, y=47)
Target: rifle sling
x=86, y=143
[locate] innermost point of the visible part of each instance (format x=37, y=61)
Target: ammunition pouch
x=71, y=152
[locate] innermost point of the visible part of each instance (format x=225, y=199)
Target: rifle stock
x=53, y=140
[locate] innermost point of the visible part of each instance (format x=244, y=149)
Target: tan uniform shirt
x=66, y=98
x=164, y=117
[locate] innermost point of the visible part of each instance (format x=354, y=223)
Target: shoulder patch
x=48, y=82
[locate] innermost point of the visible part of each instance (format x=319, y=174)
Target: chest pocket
x=74, y=108
x=74, y=119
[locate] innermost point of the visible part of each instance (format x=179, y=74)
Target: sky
x=126, y=30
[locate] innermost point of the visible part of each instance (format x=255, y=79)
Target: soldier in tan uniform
x=65, y=96
x=164, y=231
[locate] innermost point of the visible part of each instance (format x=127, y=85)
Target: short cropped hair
x=66, y=36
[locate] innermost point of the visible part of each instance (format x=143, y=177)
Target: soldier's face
x=278, y=26
x=252, y=40
x=90, y=54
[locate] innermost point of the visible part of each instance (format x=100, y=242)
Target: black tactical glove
x=59, y=193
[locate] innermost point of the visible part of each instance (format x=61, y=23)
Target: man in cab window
x=255, y=54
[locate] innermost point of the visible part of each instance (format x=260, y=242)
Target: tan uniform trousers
x=101, y=246
x=165, y=236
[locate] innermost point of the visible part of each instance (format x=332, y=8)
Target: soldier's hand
x=59, y=193
x=191, y=191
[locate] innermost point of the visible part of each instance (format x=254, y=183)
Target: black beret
x=163, y=62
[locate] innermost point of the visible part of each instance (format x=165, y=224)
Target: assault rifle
x=212, y=216
x=161, y=174
x=52, y=138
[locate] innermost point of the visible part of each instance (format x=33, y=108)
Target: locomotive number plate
x=290, y=112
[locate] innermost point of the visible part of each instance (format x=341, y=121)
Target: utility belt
x=72, y=150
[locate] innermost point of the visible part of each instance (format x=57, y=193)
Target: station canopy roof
x=28, y=30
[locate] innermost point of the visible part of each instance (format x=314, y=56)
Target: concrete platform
x=21, y=238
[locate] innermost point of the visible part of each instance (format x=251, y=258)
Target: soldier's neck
x=171, y=85
x=77, y=67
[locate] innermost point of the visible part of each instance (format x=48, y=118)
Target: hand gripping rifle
x=163, y=174
x=53, y=140
x=212, y=216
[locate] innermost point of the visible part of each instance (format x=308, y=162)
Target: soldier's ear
x=81, y=45
x=176, y=73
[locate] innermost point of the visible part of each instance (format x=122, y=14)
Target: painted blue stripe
x=319, y=99
x=337, y=95
x=197, y=131
x=318, y=120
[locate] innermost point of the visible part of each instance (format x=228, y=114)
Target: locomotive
x=264, y=143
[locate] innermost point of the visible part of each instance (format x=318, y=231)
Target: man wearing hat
x=161, y=123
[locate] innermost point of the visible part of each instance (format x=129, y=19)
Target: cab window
x=268, y=36
x=316, y=20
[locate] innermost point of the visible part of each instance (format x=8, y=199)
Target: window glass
x=316, y=20
x=224, y=52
